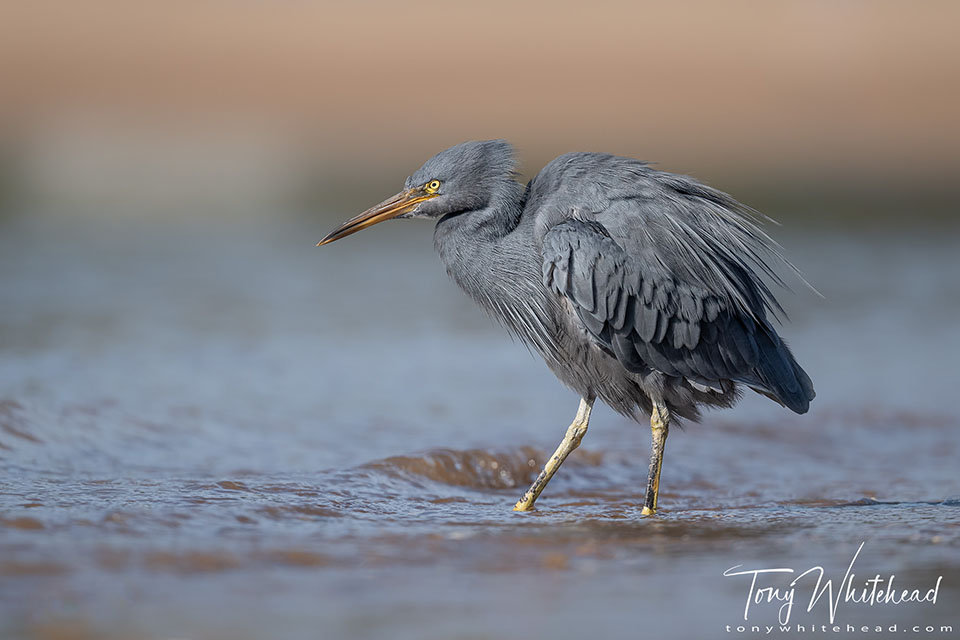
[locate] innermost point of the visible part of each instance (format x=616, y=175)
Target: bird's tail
x=783, y=379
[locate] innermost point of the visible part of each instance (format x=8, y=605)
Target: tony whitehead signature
x=876, y=590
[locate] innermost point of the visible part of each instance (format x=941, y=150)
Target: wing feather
x=675, y=287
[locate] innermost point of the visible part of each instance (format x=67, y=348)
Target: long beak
x=399, y=204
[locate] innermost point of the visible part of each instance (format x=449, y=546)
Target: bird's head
x=462, y=178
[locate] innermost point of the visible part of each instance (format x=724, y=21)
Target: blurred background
x=178, y=109
x=210, y=428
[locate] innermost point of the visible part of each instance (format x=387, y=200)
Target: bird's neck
x=490, y=254
x=473, y=244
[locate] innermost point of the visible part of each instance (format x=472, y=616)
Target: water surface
x=224, y=432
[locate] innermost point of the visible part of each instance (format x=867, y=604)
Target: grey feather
x=635, y=285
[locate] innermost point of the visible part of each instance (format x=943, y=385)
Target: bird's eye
x=433, y=186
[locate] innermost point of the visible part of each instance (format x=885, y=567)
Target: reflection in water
x=226, y=433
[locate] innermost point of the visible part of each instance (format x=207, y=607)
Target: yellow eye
x=433, y=186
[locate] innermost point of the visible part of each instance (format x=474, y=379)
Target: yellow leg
x=659, y=426
x=571, y=441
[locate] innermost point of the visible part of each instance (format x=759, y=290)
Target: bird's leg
x=571, y=441
x=659, y=426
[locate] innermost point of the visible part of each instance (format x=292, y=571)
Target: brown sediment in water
x=190, y=561
x=297, y=558
x=473, y=468
x=23, y=522
x=476, y=468
x=232, y=486
x=196, y=561
x=78, y=629
x=283, y=512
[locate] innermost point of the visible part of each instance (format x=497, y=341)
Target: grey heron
x=642, y=288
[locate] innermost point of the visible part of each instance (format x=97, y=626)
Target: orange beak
x=403, y=202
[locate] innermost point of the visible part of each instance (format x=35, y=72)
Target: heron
x=646, y=289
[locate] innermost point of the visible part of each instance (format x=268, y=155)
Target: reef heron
x=640, y=287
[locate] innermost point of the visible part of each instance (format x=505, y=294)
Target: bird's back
x=665, y=277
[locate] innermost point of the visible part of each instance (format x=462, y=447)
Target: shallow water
x=223, y=432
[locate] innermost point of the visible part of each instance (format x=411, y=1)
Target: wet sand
x=226, y=433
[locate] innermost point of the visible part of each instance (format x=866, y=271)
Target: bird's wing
x=665, y=277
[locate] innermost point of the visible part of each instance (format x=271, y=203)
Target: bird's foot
x=647, y=511
x=525, y=503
